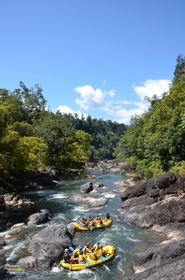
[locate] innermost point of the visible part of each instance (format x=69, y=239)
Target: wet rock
x=46, y=248
x=90, y=201
x=99, y=185
x=39, y=218
x=88, y=187
x=13, y=199
x=19, y=225
x=71, y=228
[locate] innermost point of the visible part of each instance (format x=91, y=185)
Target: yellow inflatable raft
x=92, y=176
x=106, y=223
x=109, y=251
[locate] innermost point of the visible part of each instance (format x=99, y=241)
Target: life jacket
x=86, y=250
x=80, y=258
x=76, y=252
x=95, y=247
x=93, y=256
x=100, y=252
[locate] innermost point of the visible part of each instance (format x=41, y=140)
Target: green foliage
x=179, y=168
x=154, y=142
x=33, y=137
x=161, y=192
x=179, y=73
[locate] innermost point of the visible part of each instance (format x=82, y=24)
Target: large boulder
x=39, y=218
x=46, y=248
x=169, y=269
x=13, y=199
x=87, y=187
x=90, y=201
x=158, y=204
x=168, y=183
x=160, y=262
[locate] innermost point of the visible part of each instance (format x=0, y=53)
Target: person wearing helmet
x=66, y=256
x=93, y=254
x=96, y=246
x=86, y=249
x=100, y=252
x=76, y=253
x=73, y=260
x=97, y=220
x=81, y=258
x=107, y=216
x=81, y=249
x=83, y=222
x=89, y=221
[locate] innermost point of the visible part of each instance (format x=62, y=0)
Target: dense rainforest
x=155, y=141
x=32, y=137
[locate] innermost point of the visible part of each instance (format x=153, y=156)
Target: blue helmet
x=80, y=247
x=98, y=242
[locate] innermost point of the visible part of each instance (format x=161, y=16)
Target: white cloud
x=111, y=92
x=151, y=87
x=90, y=98
x=121, y=111
x=67, y=110
x=124, y=102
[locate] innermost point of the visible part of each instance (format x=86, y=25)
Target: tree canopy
x=154, y=142
x=31, y=136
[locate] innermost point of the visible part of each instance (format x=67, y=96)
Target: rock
x=158, y=204
x=170, y=269
x=39, y=218
x=99, y=185
x=134, y=191
x=2, y=242
x=90, y=201
x=71, y=228
x=8, y=236
x=88, y=187
x=46, y=248
x=19, y=225
x=125, y=169
x=13, y=199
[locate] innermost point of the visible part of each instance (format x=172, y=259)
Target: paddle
x=91, y=228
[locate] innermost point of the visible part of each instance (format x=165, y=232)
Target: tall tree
x=179, y=73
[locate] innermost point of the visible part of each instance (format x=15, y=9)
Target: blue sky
x=96, y=57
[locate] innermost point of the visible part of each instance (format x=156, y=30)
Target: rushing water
x=127, y=239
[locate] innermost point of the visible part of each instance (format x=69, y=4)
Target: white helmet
x=66, y=250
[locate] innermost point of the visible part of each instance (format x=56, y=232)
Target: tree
x=179, y=73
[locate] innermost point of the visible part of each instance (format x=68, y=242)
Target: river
x=127, y=239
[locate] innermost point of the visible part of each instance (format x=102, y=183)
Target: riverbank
x=158, y=206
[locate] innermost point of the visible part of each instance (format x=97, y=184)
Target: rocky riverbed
x=156, y=205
